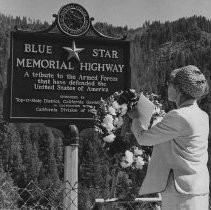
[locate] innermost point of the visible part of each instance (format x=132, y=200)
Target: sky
x=131, y=13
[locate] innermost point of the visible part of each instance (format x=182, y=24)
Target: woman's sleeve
x=166, y=130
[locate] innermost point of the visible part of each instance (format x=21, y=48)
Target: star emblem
x=73, y=52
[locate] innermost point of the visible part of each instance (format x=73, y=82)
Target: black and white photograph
x=105, y=105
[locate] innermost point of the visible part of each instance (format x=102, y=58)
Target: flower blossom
x=157, y=110
x=128, y=156
x=127, y=160
x=133, y=90
x=108, y=126
x=139, y=162
x=108, y=119
x=111, y=110
x=138, y=152
x=125, y=164
x=123, y=109
x=118, y=121
x=115, y=105
x=110, y=138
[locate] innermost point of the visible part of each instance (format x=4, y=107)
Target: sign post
x=70, y=197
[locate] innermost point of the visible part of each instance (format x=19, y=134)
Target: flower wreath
x=111, y=116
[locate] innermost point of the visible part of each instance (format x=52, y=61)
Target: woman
x=178, y=166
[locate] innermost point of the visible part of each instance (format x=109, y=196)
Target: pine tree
x=11, y=152
x=180, y=59
x=94, y=168
x=59, y=151
x=29, y=155
x=43, y=181
x=35, y=164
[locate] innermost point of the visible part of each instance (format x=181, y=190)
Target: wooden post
x=70, y=196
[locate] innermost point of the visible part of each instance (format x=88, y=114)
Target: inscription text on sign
x=54, y=77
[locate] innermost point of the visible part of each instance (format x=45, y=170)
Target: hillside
x=157, y=48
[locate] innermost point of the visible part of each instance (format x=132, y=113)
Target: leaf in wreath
x=123, y=99
x=131, y=93
x=118, y=146
x=129, y=97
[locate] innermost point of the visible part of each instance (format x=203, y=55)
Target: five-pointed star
x=73, y=52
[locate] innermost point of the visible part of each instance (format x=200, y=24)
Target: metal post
x=70, y=197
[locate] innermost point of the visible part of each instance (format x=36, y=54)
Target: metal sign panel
x=55, y=77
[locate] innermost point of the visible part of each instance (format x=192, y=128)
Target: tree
x=93, y=163
x=181, y=59
x=11, y=152
x=29, y=155
x=53, y=171
x=59, y=150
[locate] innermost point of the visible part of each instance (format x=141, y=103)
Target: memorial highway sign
x=52, y=76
